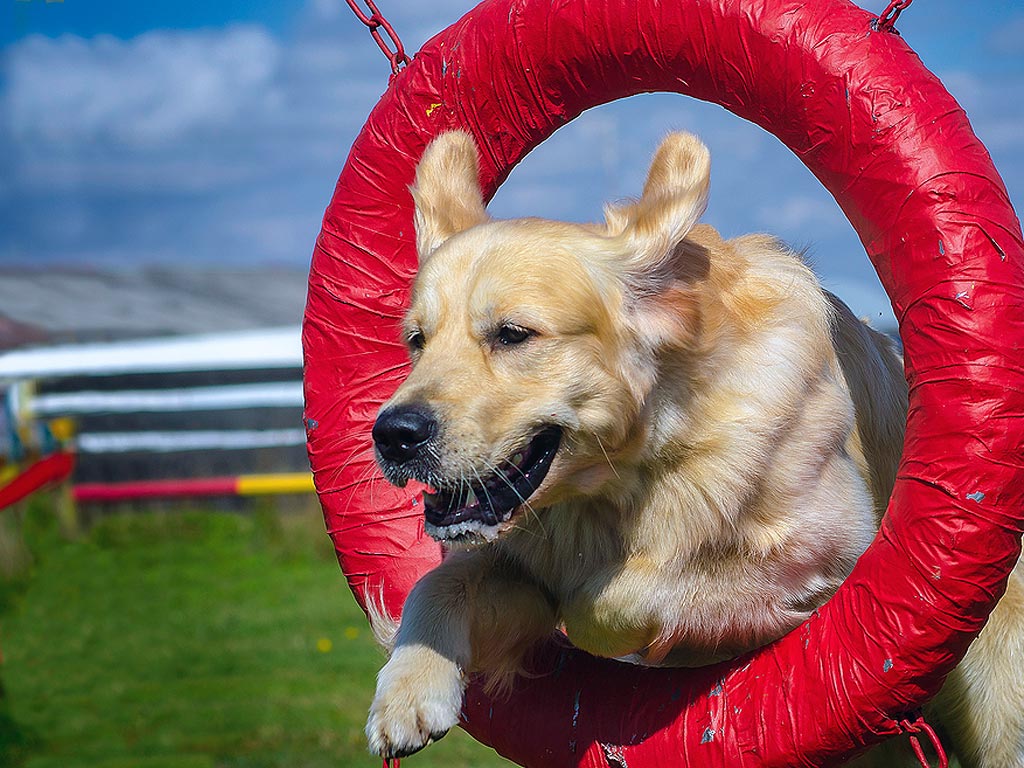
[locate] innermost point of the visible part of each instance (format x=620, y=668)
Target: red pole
x=154, y=489
x=52, y=469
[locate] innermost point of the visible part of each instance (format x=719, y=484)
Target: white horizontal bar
x=280, y=394
x=191, y=440
x=271, y=348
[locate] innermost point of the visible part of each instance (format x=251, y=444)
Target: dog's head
x=536, y=344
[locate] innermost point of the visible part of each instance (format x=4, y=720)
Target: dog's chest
x=679, y=613
x=616, y=599
x=602, y=593
x=599, y=622
x=614, y=607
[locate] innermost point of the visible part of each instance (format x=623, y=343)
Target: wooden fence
x=184, y=416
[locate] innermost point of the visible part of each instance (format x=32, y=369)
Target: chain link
x=376, y=22
x=919, y=726
x=887, y=21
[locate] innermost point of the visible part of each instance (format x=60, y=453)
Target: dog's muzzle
x=487, y=500
x=470, y=506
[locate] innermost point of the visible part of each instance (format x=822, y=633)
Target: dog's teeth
x=471, y=498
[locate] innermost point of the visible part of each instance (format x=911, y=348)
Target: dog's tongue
x=493, y=500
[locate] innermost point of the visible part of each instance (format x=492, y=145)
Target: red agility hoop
x=881, y=133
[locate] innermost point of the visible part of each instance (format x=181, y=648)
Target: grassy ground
x=185, y=639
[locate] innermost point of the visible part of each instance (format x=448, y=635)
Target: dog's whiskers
x=368, y=479
x=495, y=470
x=432, y=477
x=606, y=458
x=483, y=487
x=529, y=507
x=365, y=475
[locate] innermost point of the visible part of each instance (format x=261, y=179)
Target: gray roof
x=65, y=305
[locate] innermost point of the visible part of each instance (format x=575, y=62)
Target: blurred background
x=167, y=594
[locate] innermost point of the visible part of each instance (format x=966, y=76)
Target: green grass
x=185, y=639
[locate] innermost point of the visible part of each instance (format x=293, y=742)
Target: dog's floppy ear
x=661, y=267
x=675, y=195
x=447, y=191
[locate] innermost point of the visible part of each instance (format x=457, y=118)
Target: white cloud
x=224, y=144
x=154, y=88
x=202, y=146
x=324, y=10
x=800, y=212
x=1007, y=39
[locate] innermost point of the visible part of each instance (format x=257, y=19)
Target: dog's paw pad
x=399, y=729
x=418, y=699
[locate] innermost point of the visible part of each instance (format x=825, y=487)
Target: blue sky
x=210, y=134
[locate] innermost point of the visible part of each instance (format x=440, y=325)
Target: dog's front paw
x=419, y=695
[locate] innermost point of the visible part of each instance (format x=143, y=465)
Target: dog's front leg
x=468, y=614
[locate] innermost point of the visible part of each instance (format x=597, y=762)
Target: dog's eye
x=416, y=340
x=509, y=335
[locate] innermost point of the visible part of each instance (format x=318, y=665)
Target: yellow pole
x=285, y=482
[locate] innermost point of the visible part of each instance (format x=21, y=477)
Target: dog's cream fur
x=730, y=435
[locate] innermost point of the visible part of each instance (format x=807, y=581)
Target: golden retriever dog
x=670, y=446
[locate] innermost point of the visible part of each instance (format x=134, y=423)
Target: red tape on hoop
x=883, y=135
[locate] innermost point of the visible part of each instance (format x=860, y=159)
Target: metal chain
x=375, y=22
x=887, y=21
x=918, y=725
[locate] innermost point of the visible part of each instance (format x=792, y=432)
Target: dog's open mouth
x=469, y=509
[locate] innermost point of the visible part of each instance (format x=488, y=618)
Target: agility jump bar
x=42, y=473
x=241, y=485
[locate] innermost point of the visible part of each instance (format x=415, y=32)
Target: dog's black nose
x=401, y=432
